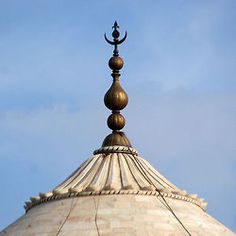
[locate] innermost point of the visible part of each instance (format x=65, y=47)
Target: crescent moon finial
x=115, y=34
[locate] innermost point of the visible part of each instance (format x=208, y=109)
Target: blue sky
x=179, y=74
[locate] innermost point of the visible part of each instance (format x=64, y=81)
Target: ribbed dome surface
x=115, y=171
x=119, y=170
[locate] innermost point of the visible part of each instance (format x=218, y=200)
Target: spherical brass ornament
x=115, y=63
x=116, y=98
x=116, y=121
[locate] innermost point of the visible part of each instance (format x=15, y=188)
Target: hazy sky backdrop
x=179, y=73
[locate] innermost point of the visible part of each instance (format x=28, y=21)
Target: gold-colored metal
x=116, y=98
x=116, y=121
x=116, y=139
x=115, y=63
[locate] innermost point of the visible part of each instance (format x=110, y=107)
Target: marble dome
x=115, y=192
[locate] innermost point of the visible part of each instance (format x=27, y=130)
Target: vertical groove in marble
x=156, y=175
x=114, y=179
x=73, y=176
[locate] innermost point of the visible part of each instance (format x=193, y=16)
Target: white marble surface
x=114, y=215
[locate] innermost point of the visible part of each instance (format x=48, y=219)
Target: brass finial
x=116, y=99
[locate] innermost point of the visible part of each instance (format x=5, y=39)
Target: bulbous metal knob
x=115, y=63
x=116, y=121
x=116, y=98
